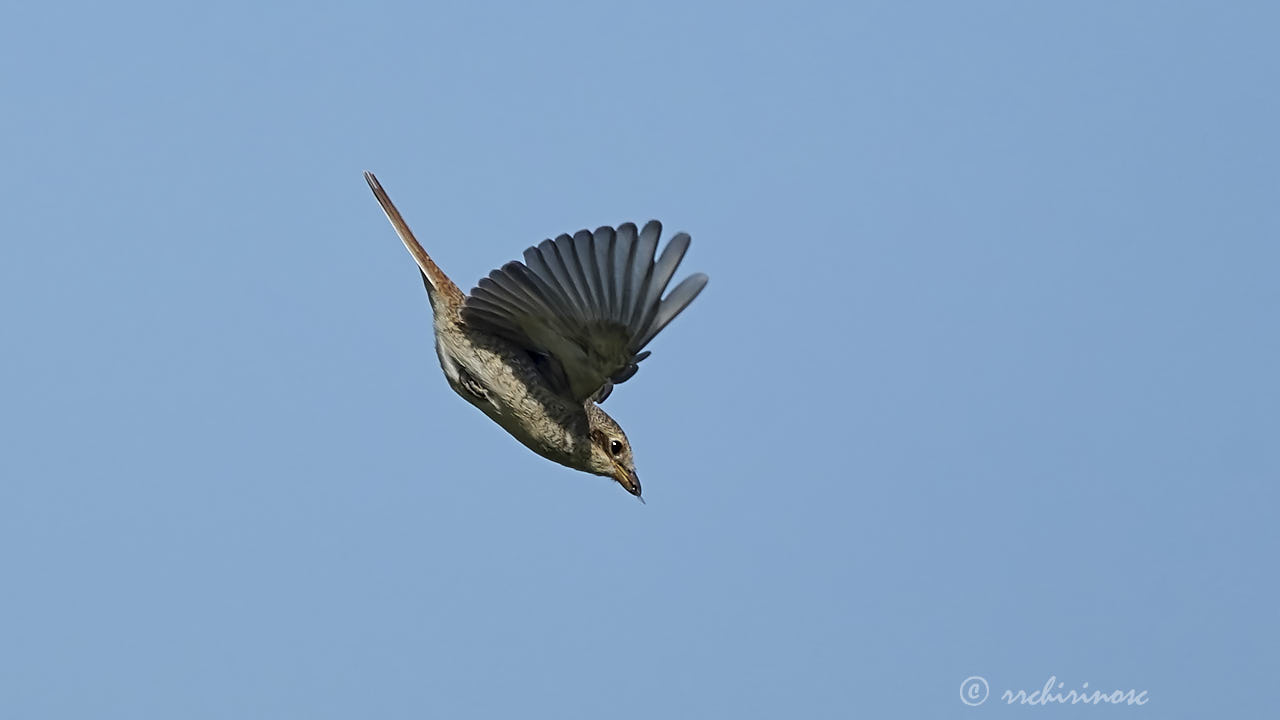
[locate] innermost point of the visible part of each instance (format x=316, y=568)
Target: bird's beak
x=627, y=479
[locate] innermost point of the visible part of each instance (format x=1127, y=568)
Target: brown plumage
x=538, y=344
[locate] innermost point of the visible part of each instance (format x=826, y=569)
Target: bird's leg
x=471, y=385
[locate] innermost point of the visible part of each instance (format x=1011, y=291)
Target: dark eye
x=615, y=447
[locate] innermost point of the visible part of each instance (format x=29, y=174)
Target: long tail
x=433, y=277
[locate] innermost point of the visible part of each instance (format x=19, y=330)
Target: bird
x=538, y=345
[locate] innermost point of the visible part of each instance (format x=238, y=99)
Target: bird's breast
x=503, y=383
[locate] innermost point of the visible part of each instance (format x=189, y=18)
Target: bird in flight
x=539, y=344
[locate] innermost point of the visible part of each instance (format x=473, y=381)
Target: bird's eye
x=615, y=447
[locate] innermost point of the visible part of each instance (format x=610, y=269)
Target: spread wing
x=586, y=305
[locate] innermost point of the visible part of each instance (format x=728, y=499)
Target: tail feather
x=433, y=277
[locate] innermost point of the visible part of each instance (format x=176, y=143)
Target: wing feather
x=589, y=303
x=585, y=256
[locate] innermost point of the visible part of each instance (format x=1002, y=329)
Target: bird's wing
x=588, y=303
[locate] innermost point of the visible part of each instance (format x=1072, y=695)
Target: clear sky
x=985, y=381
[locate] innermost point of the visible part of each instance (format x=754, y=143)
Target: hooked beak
x=628, y=480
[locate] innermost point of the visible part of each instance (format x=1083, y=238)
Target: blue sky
x=984, y=381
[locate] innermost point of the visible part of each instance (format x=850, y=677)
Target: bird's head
x=610, y=451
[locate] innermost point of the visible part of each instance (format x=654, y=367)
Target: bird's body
x=496, y=376
x=536, y=346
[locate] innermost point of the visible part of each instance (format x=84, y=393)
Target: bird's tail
x=439, y=286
